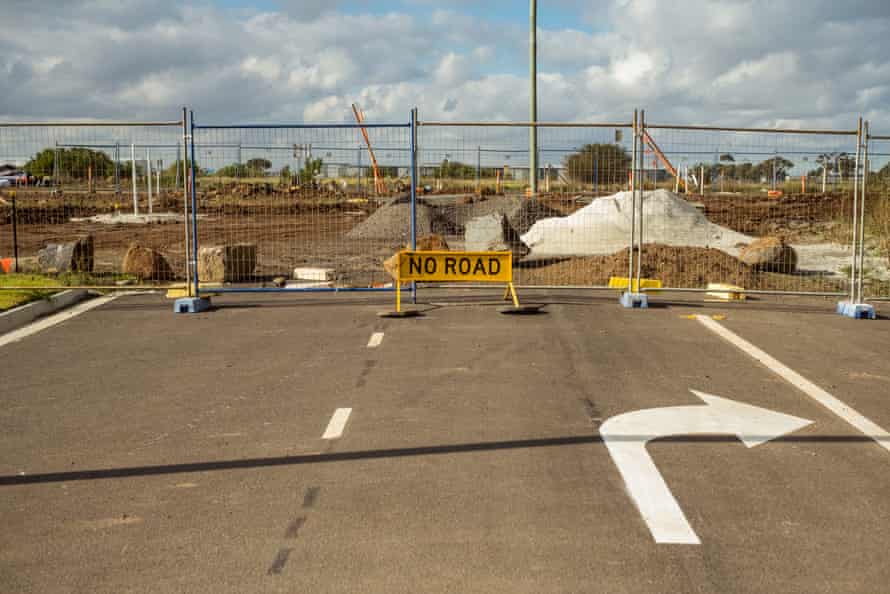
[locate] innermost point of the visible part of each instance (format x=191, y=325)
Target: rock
x=770, y=254
x=493, y=233
x=72, y=256
x=431, y=242
x=314, y=274
x=391, y=266
x=146, y=264
x=227, y=262
x=425, y=243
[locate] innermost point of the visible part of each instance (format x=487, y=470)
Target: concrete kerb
x=25, y=314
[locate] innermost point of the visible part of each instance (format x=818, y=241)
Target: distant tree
x=456, y=169
x=286, y=174
x=74, y=163
x=233, y=170
x=764, y=169
x=844, y=165
x=310, y=170
x=727, y=158
x=258, y=167
x=607, y=162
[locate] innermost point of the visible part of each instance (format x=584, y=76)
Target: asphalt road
x=148, y=452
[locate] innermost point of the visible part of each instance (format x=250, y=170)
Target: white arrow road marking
x=626, y=437
x=337, y=423
x=848, y=414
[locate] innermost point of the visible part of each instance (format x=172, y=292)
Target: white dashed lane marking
x=375, y=340
x=337, y=423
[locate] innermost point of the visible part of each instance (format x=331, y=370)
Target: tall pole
x=533, y=95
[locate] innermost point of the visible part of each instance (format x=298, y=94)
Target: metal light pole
x=533, y=95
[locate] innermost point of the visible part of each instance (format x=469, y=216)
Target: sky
x=775, y=63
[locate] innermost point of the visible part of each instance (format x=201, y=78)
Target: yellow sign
x=442, y=266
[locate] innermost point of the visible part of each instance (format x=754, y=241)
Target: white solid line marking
x=376, y=339
x=864, y=425
x=337, y=423
x=54, y=319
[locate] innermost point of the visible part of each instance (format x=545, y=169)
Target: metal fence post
x=633, y=201
x=855, y=245
x=642, y=156
x=185, y=195
x=412, y=148
x=15, y=234
x=194, y=205
x=862, y=187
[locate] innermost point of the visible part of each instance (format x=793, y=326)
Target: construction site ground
x=298, y=230
x=150, y=452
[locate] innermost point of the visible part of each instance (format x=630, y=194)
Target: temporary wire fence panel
x=83, y=194
x=474, y=178
x=276, y=201
x=876, y=277
x=761, y=210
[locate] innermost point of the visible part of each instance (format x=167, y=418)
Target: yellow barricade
x=445, y=266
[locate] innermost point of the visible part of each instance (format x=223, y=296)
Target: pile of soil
x=461, y=212
x=530, y=212
x=392, y=221
x=796, y=216
x=674, y=266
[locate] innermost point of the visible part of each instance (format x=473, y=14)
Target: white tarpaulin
x=603, y=227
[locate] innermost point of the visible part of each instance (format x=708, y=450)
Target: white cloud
x=743, y=62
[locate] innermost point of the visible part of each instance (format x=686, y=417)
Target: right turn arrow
x=626, y=437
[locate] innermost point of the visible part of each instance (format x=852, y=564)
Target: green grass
x=10, y=299
x=32, y=286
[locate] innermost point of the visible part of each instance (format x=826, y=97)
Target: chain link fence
x=877, y=219
x=322, y=207
x=762, y=210
x=93, y=204
x=477, y=175
x=302, y=207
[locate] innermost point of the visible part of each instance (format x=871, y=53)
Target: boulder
x=227, y=263
x=769, y=254
x=425, y=243
x=431, y=242
x=493, y=233
x=71, y=256
x=146, y=264
x=391, y=266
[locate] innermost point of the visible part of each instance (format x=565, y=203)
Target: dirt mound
x=530, y=212
x=392, y=222
x=521, y=213
x=674, y=266
x=796, y=216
